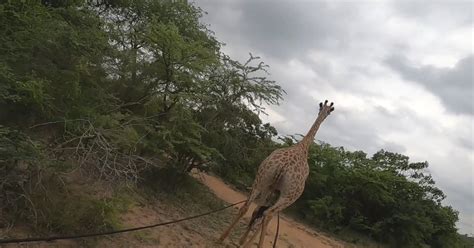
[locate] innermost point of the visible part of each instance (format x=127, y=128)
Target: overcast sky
x=400, y=74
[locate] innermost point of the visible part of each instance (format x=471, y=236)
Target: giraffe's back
x=279, y=167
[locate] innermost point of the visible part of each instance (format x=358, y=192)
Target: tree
x=385, y=196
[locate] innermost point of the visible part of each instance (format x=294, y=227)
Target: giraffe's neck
x=309, y=137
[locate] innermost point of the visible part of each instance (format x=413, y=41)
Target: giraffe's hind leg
x=250, y=241
x=266, y=221
x=261, y=227
x=284, y=200
x=257, y=213
x=265, y=201
x=244, y=236
x=241, y=213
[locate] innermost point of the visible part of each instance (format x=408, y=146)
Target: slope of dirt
x=292, y=233
x=201, y=232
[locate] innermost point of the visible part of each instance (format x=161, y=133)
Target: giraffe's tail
x=257, y=214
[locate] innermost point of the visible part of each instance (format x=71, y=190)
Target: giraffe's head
x=325, y=109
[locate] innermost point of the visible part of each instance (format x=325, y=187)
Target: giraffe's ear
x=320, y=105
x=332, y=109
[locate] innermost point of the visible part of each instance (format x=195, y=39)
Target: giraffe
x=284, y=171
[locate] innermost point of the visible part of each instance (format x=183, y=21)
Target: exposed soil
x=201, y=232
x=291, y=234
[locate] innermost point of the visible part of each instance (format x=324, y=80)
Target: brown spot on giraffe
x=285, y=171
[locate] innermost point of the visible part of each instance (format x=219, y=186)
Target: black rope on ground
x=278, y=228
x=48, y=239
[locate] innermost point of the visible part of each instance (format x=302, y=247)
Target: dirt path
x=292, y=234
x=197, y=233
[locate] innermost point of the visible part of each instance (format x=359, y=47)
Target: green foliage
x=139, y=92
x=66, y=212
x=385, y=197
x=63, y=47
x=466, y=241
x=119, y=90
x=18, y=157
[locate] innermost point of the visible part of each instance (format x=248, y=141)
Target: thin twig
x=54, y=122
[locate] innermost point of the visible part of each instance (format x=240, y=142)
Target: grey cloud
x=355, y=130
x=393, y=147
x=345, y=129
x=299, y=116
x=439, y=13
x=348, y=42
x=461, y=200
x=453, y=85
x=287, y=29
x=466, y=142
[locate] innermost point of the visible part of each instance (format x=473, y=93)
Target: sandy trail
x=292, y=234
x=198, y=233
